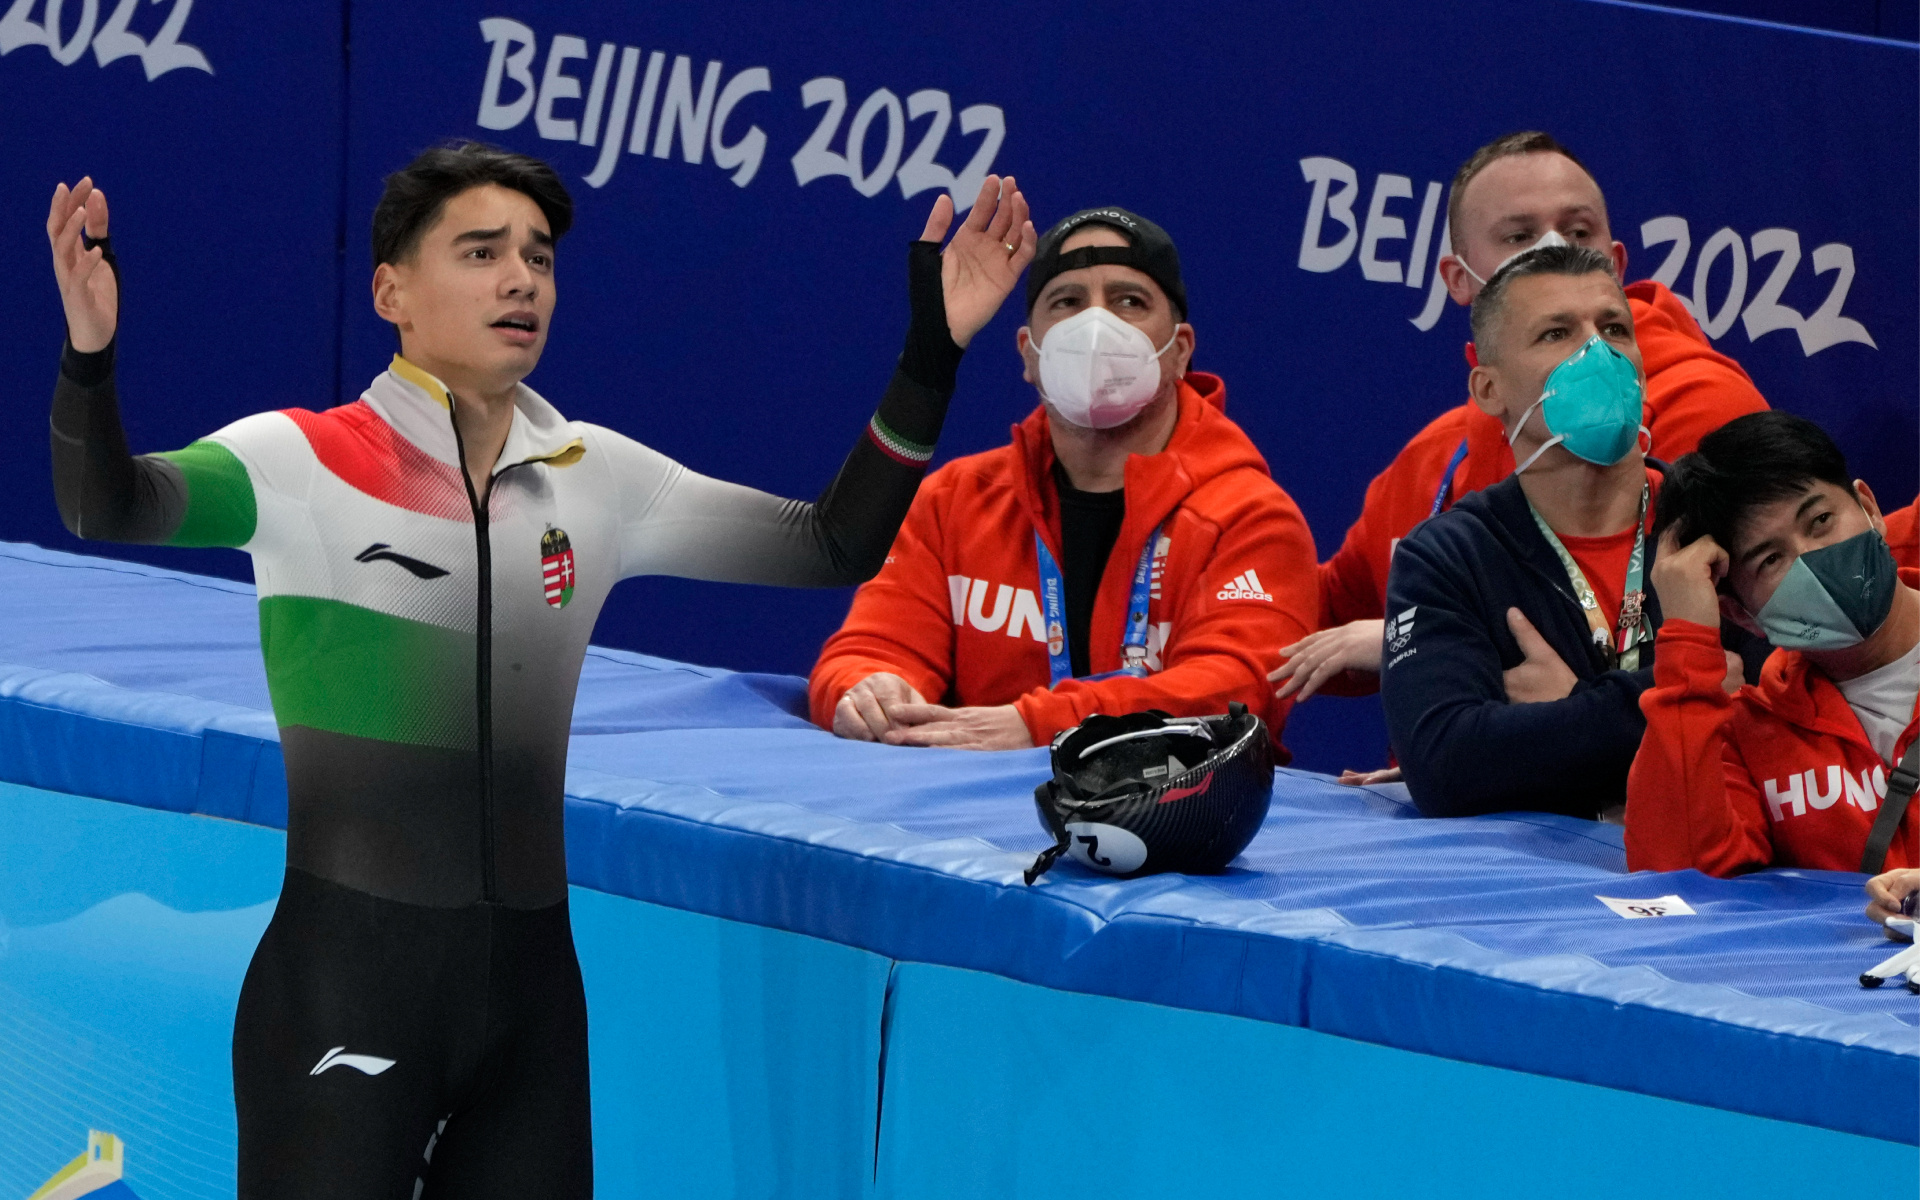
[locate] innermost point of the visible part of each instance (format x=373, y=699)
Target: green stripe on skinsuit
x=220, y=506
x=350, y=670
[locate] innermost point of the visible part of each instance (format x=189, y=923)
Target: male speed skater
x=430, y=560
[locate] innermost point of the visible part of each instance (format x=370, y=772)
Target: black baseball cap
x=1149, y=251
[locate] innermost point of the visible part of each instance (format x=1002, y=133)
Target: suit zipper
x=483, y=660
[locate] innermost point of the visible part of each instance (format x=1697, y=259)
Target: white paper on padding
x=1659, y=906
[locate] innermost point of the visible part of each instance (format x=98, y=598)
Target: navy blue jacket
x=1463, y=747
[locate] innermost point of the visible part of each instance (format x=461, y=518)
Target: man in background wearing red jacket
x=1520, y=191
x=1128, y=550
x=1762, y=527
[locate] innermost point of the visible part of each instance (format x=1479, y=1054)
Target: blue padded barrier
x=1479, y=939
x=736, y=1060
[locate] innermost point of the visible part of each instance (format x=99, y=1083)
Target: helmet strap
x=1045, y=862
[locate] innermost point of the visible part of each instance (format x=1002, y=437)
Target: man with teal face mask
x=1520, y=192
x=1814, y=765
x=1519, y=629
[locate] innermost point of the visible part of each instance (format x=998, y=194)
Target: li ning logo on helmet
x=556, y=567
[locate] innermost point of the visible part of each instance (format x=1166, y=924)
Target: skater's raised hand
x=984, y=260
x=88, y=289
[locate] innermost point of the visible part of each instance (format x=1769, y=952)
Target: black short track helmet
x=1147, y=792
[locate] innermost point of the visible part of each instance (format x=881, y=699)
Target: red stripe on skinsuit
x=369, y=456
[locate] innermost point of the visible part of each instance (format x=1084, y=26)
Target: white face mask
x=1550, y=238
x=1097, y=371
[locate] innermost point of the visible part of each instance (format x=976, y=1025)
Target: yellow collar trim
x=440, y=393
x=565, y=456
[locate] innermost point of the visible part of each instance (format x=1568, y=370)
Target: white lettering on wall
x=1716, y=292
x=557, y=85
x=1323, y=173
x=159, y=53
x=1818, y=330
x=681, y=113
x=741, y=157
x=816, y=158
x=510, y=61
x=614, y=107
x=1381, y=227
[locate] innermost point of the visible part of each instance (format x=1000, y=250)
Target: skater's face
x=476, y=297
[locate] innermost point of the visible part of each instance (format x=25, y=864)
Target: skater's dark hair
x=416, y=194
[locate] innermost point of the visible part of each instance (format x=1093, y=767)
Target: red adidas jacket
x=955, y=610
x=1779, y=775
x=1692, y=390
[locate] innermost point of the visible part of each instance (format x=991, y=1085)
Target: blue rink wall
x=734, y=1060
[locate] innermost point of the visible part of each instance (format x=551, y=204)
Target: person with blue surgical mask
x=1520, y=628
x=1815, y=764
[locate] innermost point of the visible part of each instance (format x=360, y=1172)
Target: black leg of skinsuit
x=481, y=1012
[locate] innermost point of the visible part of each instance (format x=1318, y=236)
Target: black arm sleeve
x=103, y=491
x=853, y=522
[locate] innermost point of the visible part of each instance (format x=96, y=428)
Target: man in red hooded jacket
x=1513, y=194
x=1128, y=550
x=1762, y=527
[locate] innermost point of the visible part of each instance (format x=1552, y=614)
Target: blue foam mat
x=1477, y=939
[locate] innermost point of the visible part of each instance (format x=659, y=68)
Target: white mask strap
x=1550, y=238
x=1549, y=444
x=1522, y=424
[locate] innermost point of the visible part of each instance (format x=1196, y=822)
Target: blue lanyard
x=1445, y=493
x=1053, y=599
